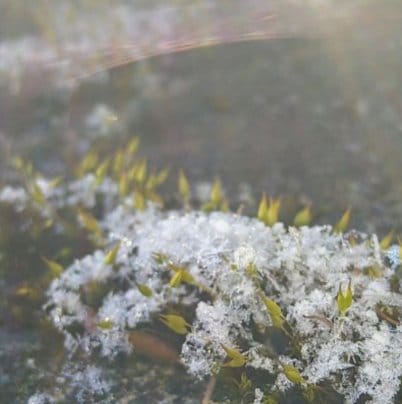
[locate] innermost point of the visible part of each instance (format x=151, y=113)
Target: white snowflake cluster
x=15, y=196
x=101, y=122
x=79, y=192
x=237, y=259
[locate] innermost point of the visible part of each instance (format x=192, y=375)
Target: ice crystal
x=85, y=382
x=258, y=396
x=394, y=256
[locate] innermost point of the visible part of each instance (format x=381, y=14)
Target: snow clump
x=232, y=263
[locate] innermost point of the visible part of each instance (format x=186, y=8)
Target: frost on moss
x=292, y=308
x=359, y=352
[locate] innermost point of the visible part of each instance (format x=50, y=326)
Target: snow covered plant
x=235, y=282
x=300, y=310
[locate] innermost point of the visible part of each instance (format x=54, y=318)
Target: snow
x=306, y=267
x=234, y=262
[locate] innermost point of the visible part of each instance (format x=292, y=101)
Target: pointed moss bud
x=55, y=268
x=387, y=240
x=105, y=324
x=274, y=311
x=303, y=217
x=88, y=163
x=37, y=195
x=344, y=300
x=141, y=173
x=268, y=211
x=101, y=171
x=216, y=192
x=181, y=275
x=263, y=209
x=132, y=147
x=176, y=323
x=89, y=222
x=118, y=162
x=273, y=211
x=144, y=290
x=343, y=223
x=123, y=185
x=237, y=359
x=176, y=279
x=183, y=187
x=293, y=374
x=110, y=257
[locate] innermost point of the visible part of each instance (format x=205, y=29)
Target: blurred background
x=295, y=98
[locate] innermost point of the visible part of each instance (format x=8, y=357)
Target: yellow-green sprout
x=274, y=311
x=183, y=187
x=101, y=171
x=123, y=185
x=88, y=163
x=373, y=271
x=293, y=374
x=37, y=195
x=387, y=240
x=176, y=323
x=343, y=223
x=303, y=217
x=268, y=210
x=154, y=180
x=132, y=147
x=216, y=199
x=141, y=172
x=344, y=299
x=111, y=255
x=55, y=268
x=180, y=275
x=236, y=358
x=105, y=324
x=90, y=224
x=118, y=162
x=144, y=290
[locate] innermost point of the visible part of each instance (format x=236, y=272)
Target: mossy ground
x=62, y=220
x=279, y=116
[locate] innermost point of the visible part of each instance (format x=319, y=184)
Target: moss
x=250, y=314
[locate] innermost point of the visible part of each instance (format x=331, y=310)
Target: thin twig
x=322, y=319
x=385, y=317
x=206, y=399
